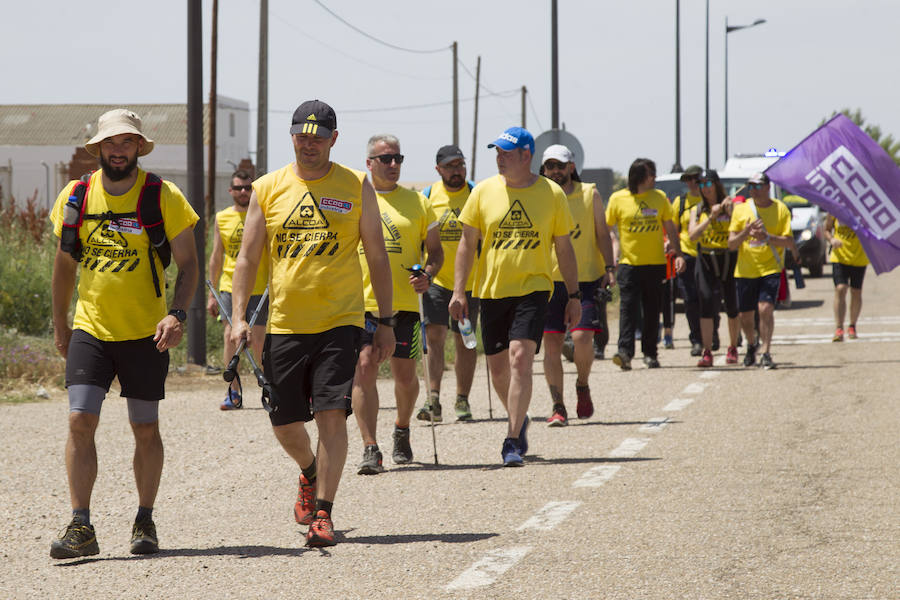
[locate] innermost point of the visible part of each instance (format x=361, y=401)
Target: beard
x=118, y=173
x=561, y=178
x=454, y=181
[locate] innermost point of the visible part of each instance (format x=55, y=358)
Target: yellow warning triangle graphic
x=306, y=215
x=388, y=230
x=102, y=235
x=450, y=219
x=516, y=218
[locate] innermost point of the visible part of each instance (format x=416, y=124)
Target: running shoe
x=430, y=407
x=668, y=342
x=750, y=357
x=706, y=361
x=321, y=531
x=696, y=349
x=77, y=540
x=622, y=361
x=851, y=332
x=568, y=349
x=233, y=401
x=585, y=406
x=559, y=418
x=523, y=436
x=143, y=538
x=463, y=410
x=651, y=362
x=372, y=461
x=838, y=335
x=511, y=453
x=305, y=507
x=766, y=362
x=731, y=357
x=402, y=453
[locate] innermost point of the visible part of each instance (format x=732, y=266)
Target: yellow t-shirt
x=447, y=206
x=116, y=296
x=230, y=228
x=517, y=228
x=584, y=241
x=312, y=231
x=640, y=218
x=755, y=258
x=406, y=216
x=715, y=236
x=851, y=251
x=684, y=223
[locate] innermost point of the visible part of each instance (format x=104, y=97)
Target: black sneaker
x=750, y=357
x=402, y=453
x=766, y=362
x=622, y=361
x=651, y=362
x=143, y=538
x=696, y=349
x=77, y=540
x=372, y=461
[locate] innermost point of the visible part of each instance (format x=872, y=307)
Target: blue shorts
x=556, y=310
x=751, y=292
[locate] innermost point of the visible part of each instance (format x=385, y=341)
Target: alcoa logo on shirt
x=509, y=138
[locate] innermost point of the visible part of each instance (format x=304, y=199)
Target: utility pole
x=262, y=113
x=196, y=325
x=706, y=164
x=475, y=122
x=213, y=113
x=677, y=168
x=554, y=59
x=455, y=98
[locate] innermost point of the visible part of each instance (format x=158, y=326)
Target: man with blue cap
x=520, y=217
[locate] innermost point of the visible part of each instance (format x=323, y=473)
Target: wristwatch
x=179, y=314
x=388, y=321
x=610, y=268
x=575, y=295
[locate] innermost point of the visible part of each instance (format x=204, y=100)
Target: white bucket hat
x=117, y=122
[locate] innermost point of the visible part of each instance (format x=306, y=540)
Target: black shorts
x=311, y=372
x=140, y=367
x=751, y=292
x=436, y=308
x=407, y=333
x=843, y=274
x=556, y=309
x=251, y=306
x=515, y=318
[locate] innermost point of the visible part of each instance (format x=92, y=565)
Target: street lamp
x=729, y=29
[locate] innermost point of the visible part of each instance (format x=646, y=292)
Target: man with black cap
x=593, y=251
x=520, y=217
x=448, y=196
x=120, y=328
x=682, y=206
x=311, y=215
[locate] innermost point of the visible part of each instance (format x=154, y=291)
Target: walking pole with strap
x=418, y=271
x=269, y=398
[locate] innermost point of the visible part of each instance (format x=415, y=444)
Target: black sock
x=310, y=471
x=324, y=505
x=82, y=514
x=143, y=514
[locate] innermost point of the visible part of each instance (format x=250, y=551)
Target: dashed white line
x=694, y=388
x=488, y=569
x=597, y=476
x=710, y=374
x=678, y=404
x=655, y=424
x=629, y=447
x=550, y=516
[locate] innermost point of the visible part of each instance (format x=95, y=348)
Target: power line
x=534, y=112
x=372, y=37
x=504, y=94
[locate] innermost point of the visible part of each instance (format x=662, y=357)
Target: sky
x=617, y=69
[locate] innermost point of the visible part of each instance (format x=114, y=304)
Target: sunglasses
x=704, y=184
x=757, y=186
x=389, y=158
x=554, y=165
x=245, y=188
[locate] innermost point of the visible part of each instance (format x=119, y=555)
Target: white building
x=40, y=142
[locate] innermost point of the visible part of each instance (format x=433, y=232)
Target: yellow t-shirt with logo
x=230, y=228
x=755, y=258
x=406, y=216
x=517, y=228
x=639, y=218
x=684, y=223
x=116, y=296
x=312, y=230
x=447, y=206
x=851, y=251
x=584, y=241
x=715, y=236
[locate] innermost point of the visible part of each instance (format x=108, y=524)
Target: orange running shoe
x=305, y=506
x=838, y=335
x=321, y=531
x=851, y=332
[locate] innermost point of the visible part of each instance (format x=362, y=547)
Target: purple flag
x=842, y=169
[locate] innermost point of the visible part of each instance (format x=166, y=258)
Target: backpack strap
x=427, y=192
x=149, y=216
x=73, y=217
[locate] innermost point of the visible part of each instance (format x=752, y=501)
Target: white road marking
x=678, y=404
x=694, y=388
x=550, y=516
x=488, y=569
x=629, y=447
x=815, y=338
x=711, y=374
x=597, y=476
x=655, y=424
x=827, y=321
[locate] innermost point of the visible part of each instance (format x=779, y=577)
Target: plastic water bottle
x=468, y=336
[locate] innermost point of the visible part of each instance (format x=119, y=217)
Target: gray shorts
x=251, y=306
x=436, y=308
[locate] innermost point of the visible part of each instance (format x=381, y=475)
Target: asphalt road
x=726, y=483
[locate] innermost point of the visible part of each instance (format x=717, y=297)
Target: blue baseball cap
x=514, y=137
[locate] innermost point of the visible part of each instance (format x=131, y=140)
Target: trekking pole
x=487, y=369
x=418, y=271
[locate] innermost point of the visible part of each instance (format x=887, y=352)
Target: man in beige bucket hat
x=121, y=327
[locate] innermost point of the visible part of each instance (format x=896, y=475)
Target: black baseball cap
x=448, y=153
x=315, y=117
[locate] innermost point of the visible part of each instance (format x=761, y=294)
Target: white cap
x=558, y=152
